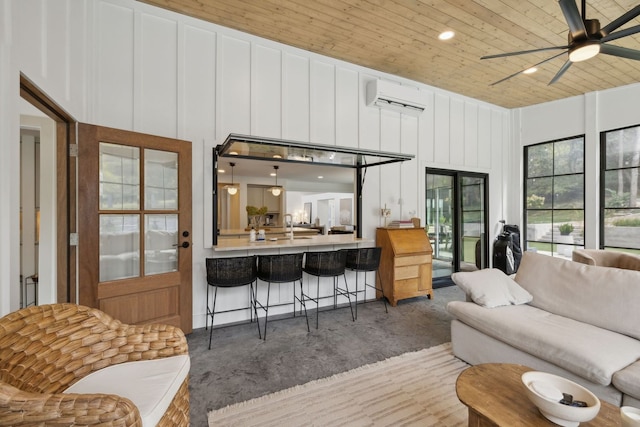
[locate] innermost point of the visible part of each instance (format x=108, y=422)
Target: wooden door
x=134, y=227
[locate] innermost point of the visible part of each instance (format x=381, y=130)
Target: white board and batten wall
x=587, y=115
x=128, y=65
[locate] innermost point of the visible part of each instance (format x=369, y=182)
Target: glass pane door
x=473, y=220
x=120, y=215
x=456, y=212
x=440, y=189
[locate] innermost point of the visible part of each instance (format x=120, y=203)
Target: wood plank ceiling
x=400, y=37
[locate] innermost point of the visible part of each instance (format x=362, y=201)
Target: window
x=620, y=210
x=554, y=196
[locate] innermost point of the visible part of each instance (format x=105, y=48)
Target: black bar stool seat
x=326, y=264
x=279, y=269
x=230, y=273
x=365, y=259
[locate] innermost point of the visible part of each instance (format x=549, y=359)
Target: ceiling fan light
x=585, y=51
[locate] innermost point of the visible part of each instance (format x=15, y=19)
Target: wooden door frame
x=65, y=187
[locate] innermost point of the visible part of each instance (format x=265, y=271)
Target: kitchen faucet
x=290, y=224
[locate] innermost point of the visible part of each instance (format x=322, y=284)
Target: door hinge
x=73, y=150
x=73, y=239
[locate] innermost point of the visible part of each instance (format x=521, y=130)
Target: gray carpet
x=240, y=366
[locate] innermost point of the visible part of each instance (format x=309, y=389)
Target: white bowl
x=630, y=416
x=545, y=391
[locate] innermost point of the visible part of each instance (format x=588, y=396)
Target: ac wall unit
x=392, y=96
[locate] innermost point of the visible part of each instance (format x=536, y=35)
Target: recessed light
x=530, y=70
x=277, y=156
x=320, y=176
x=221, y=170
x=446, y=35
x=233, y=153
x=272, y=174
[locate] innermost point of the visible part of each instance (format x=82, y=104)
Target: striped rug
x=413, y=389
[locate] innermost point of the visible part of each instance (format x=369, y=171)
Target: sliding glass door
x=456, y=212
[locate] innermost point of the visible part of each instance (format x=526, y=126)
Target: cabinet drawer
x=412, y=260
x=410, y=288
x=408, y=272
x=406, y=288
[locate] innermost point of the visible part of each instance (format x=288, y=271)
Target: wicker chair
x=45, y=349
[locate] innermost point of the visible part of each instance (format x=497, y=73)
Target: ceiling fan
x=586, y=39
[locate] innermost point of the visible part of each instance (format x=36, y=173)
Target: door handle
x=184, y=245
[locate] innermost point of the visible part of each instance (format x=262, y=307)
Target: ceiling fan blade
x=622, y=33
x=502, y=55
x=622, y=52
x=520, y=72
x=573, y=18
x=560, y=72
x=620, y=21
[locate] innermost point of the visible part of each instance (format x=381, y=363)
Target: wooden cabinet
x=254, y=196
x=258, y=196
x=271, y=202
x=405, y=263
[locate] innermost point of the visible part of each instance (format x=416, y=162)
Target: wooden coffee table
x=495, y=396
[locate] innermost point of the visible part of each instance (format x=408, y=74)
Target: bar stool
x=279, y=269
x=326, y=264
x=365, y=259
x=230, y=273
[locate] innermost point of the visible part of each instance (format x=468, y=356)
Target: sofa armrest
x=19, y=408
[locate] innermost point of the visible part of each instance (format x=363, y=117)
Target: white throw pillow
x=491, y=288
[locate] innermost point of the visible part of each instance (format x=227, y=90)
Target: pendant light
x=276, y=189
x=231, y=188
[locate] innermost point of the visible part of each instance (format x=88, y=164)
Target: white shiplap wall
x=124, y=64
x=587, y=115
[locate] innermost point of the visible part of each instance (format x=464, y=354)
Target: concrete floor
x=240, y=366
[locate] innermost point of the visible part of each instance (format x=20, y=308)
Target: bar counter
x=226, y=245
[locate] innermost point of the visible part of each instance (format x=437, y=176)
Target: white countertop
x=235, y=232
x=281, y=242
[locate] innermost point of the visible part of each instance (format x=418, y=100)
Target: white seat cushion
x=588, y=351
x=150, y=384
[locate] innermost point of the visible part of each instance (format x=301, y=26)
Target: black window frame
x=525, y=241
x=602, y=196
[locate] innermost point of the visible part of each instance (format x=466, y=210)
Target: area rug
x=416, y=388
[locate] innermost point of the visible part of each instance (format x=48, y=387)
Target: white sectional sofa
x=571, y=319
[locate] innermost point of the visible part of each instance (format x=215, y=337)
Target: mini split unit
x=392, y=96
